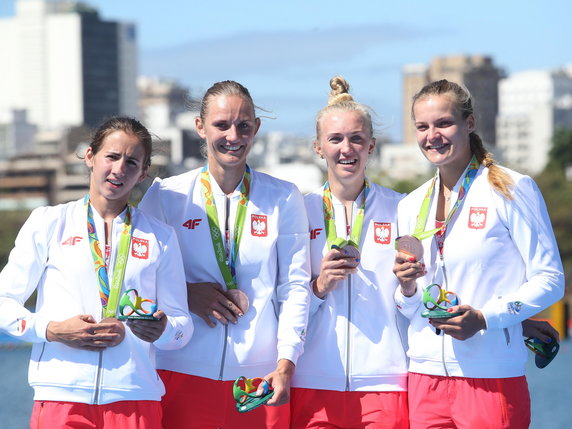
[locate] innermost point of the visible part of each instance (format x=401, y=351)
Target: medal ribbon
x=109, y=295
x=331, y=235
x=227, y=267
x=424, y=212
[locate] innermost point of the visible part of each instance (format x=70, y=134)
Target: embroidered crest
x=259, y=226
x=478, y=217
x=139, y=248
x=382, y=232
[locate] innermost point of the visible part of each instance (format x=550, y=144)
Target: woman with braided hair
x=353, y=372
x=485, y=236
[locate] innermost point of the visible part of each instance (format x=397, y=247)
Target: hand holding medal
x=438, y=301
x=251, y=393
x=410, y=246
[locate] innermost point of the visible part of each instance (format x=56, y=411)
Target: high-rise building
x=478, y=73
x=67, y=67
x=532, y=105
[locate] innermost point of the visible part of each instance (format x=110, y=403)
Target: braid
x=498, y=179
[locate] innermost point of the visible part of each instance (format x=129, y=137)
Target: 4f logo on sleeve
x=382, y=232
x=259, y=226
x=192, y=223
x=139, y=248
x=314, y=233
x=477, y=217
x=71, y=241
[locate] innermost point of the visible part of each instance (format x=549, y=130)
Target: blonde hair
x=341, y=100
x=498, y=178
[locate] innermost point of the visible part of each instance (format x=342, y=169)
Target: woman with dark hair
x=86, y=368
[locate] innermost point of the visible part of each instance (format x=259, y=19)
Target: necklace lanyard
x=109, y=295
x=424, y=211
x=331, y=234
x=227, y=266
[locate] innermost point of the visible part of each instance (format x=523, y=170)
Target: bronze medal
x=411, y=246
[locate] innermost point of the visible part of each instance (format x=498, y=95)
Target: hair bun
x=340, y=91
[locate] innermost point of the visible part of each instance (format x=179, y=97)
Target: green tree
x=12, y=221
x=557, y=192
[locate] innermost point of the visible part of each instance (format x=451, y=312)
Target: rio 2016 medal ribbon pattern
x=437, y=301
x=348, y=247
x=227, y=266
x=132, y=306
x=244, y=392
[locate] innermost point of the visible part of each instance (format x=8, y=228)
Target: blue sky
x=286, y=51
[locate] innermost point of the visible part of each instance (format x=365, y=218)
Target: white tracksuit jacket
x=500, y=256
x=52, y=255
x=354, y=340
x=272, y=268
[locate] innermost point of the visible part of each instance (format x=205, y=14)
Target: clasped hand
x=208, y=301
x=82, y=332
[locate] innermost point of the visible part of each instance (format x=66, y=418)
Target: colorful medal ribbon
x=109, y=295
x=424, y=212
x=331, y=235
x=227, y=267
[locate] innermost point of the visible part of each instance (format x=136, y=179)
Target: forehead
x=230, y=106
x=435, y=105
x=343, y=121
x=122, y=142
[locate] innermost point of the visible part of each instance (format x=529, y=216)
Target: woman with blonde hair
x=244, y=239
x=485, y=260
x=353, y=372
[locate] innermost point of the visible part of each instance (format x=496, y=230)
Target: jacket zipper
x=348, y=329
x=349, y=318
x=223, y=357
x=99, y=376
x=443, y=336
x=228, y=250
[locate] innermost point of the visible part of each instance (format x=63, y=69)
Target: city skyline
x=286, y=53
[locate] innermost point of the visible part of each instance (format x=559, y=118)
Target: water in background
x=550, y=389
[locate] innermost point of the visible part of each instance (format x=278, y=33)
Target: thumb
x=87, y=318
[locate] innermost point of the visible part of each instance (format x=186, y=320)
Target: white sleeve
x=293, y=286
x=172, y=297
x=531, y=231
x=409, y=306
x=21, y=276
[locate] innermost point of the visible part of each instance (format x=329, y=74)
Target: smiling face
x=442, y=133
x=229, y=127
x=116, y=167
x=345, y=142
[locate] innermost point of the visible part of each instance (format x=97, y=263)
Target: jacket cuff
x=288, y=352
